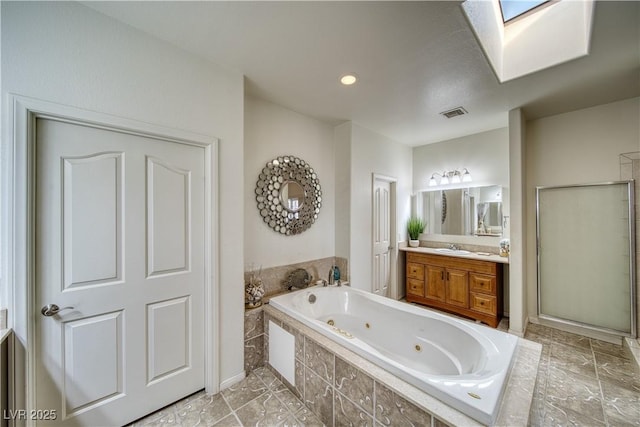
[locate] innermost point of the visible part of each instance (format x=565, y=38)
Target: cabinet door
x=457, y=289
x=435, y=283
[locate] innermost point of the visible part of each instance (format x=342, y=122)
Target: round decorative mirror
x=292, y=196
x=288, y=195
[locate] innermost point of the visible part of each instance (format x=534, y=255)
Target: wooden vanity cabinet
x=457, y=288
x=435, y=284
x=468, y=287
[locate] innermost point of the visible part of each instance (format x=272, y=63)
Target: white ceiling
x=413, y=59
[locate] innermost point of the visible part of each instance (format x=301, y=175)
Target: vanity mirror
x=462, y=211
x=288, y=195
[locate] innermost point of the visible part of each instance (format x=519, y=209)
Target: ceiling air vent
x=455, y=112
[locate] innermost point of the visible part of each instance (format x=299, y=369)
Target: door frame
x=19, y=245
x=393, y=229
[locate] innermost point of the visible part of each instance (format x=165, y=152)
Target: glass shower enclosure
x=586, y=255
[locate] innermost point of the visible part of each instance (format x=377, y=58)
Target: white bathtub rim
x=485, y=409
x=468, y=326
x=408, y=391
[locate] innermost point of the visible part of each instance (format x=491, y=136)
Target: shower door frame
x=632, y=258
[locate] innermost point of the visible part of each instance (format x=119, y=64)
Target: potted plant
x=415, y=227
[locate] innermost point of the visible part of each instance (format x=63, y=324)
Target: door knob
x=52, y=309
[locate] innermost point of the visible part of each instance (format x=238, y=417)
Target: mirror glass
x=462, y=211
x=288, y=195
x=292, y=196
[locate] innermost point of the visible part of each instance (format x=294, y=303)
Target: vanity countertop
x=472, y=255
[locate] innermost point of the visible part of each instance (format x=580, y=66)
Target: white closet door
x=584, y=255
x=120, y=238
x=381, y=237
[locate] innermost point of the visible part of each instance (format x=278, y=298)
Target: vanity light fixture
x=453, y=177
x=466, y=176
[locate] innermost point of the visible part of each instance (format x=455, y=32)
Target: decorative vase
x=254, y=290
x=414, y=243
x=505, y=247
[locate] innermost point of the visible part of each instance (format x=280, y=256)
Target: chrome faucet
x=454, y=247
x=331, y=271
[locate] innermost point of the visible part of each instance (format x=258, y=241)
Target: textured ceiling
x=413, y=60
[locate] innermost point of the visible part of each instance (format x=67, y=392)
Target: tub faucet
x=331, y=271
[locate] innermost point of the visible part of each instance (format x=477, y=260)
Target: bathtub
x=463, y=364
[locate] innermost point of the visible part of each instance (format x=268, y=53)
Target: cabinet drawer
x=483, y=303
x=415, y=287
x=482, y=283
x=415, y=271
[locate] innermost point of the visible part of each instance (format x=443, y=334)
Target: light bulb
x=348, y=79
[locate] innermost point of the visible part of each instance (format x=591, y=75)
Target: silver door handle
x=52, y=309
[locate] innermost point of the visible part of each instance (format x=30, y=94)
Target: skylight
x=549, y=33
x=511, y=9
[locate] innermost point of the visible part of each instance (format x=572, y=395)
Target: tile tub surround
x=618, y=380
x=253, y=339
x=341, y=387
x=273, y=277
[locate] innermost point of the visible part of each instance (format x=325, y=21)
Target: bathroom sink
x=453, y=251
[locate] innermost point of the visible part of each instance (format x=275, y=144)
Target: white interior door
x=120, y=238
x=381, y=237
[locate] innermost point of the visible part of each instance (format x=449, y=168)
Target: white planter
x=414, y=243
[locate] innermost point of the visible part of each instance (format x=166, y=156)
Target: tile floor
x=581, y=382
x=258, y=400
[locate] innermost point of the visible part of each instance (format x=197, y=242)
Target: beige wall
x=66, y=53
x=374, y=153
x=578, y=147
x=518, y=245
x=342, y=140
x=485, y=155
x=272, y=131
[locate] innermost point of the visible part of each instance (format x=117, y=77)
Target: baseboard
x=524, y=328
x=579, y=330
x=633, y=347
x=233, y=380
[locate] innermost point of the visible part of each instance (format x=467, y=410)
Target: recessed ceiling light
x=348, y=79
